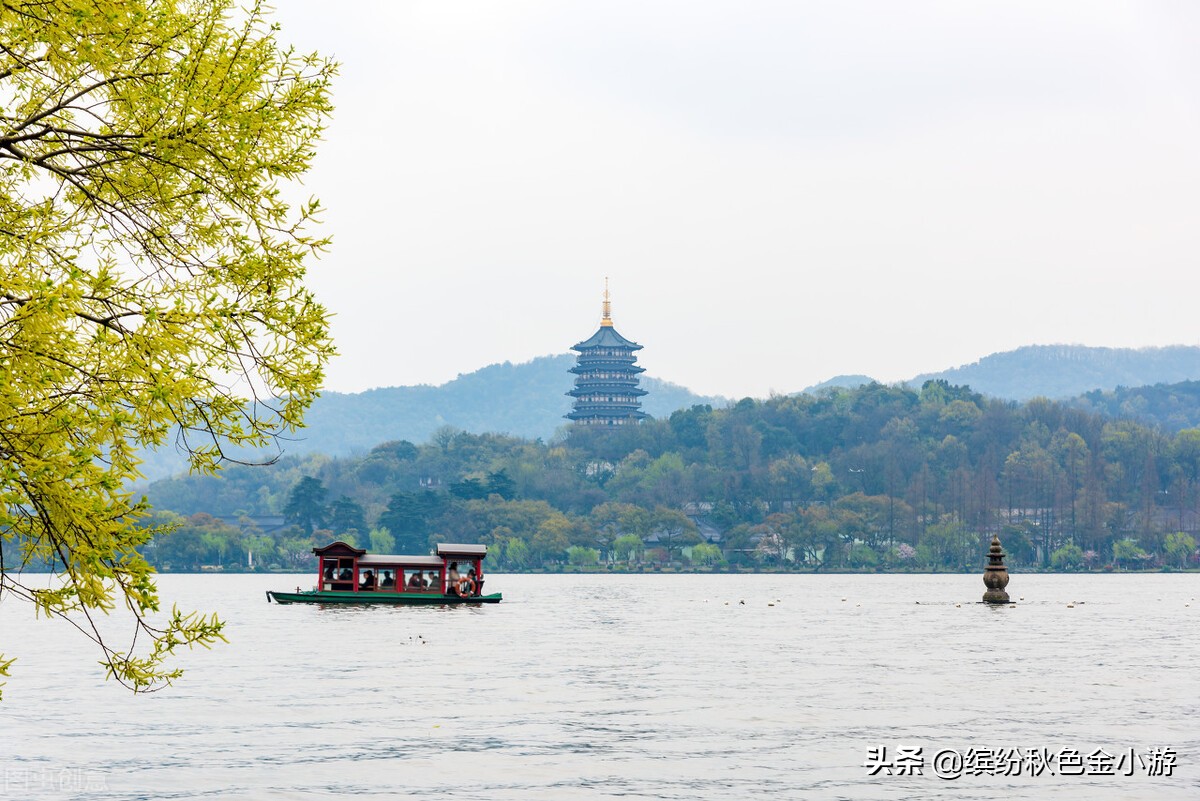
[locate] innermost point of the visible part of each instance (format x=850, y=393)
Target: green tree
x=706, y=554
x=1180, y=547
x=216, y=546
x=611, y=521
x=498, y=483
x=580, y=556
x=822, y=480
x=306, y=504
x=151, y=273
x=674, y=530
x=664, y=481
x=628, y=547
x=410, y=516
x=295, y=551
x=516, y=553
x=863, y=555
x=551, y=538
x=469, y=489
x=382, y=541
x=179, y=549
x=1127, y=553
x=1068, y=557
x=790, y=480
x=951, y=545
x=346, y=515
x=263, y=551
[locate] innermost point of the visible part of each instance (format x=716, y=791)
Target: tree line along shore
x=874, y=478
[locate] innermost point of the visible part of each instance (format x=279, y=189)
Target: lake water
x=630, y=687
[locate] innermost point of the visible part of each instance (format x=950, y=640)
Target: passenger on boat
x=414, y=581
x=388, y=580
x=452, y=578
x=474, y=581
x=345, y=575
x=434, y=580
x=465, y=587
x=368, y=581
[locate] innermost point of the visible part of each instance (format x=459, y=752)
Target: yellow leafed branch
x=151, y=281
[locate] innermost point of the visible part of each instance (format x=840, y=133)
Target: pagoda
x=606, y=379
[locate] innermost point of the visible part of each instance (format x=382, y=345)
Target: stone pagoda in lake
x=606, y=389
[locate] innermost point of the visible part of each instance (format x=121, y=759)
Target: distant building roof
x=708, y=530
x=264, y=523
x=606, y=337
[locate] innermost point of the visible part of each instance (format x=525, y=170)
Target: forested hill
x=872, y=477
x=1170, y=407
x=528, y=400
x=1066, y=371
x=523, y=400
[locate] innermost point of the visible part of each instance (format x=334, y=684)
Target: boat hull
x=377, y=599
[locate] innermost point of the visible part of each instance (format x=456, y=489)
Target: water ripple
x=621, y=687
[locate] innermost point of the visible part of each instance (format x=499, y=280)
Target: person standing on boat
x=452, y=578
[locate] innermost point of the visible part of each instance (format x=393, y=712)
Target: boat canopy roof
x=445, y=550
x=458, y=549
x=394, y=559
x=339, y=548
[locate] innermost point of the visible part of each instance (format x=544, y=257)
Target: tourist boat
x=349, y=575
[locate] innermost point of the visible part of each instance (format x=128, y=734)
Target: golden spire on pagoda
x=606, y=319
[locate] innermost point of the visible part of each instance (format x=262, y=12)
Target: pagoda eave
x=623, y=392
x=601, y=416
x=592, y=367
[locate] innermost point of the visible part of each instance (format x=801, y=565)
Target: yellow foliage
x=151, y=279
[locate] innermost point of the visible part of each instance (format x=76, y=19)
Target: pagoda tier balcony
x=610, y=380
x=616, y=379
x=585, y=365
x=616, y=392
x=590, y=392
x=610, y=356
x=606, y=353
x=614, y=406
x=602, y=417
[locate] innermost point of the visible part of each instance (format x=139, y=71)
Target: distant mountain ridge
x=526, y=400
x=529, y=399
x=1059, y=372
x=844, y=381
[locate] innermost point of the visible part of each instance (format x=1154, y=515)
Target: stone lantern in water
x=995, y=575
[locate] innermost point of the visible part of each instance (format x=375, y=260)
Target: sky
x=777, y=192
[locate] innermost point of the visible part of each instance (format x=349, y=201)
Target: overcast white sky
x=780, y=192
